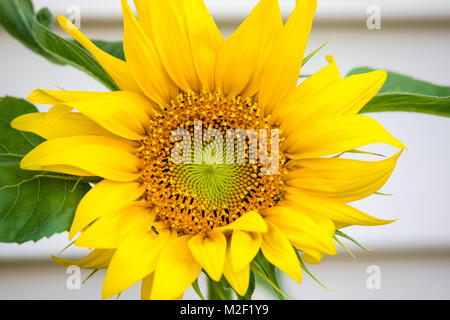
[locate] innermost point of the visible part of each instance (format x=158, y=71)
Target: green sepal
x=383, y=194
x=359, y=152
x=305, y=268
x=343, y=235
x=219, y=290
x=257, y=270
x=90, y=275
x=197, y=290
x=312, y=54
x=343, y=246
x=267, y=271
x=251, y=288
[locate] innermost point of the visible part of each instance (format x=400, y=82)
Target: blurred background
x=411, y=256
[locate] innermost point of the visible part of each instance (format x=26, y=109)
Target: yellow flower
x=153, y=220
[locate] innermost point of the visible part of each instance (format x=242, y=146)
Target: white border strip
x=335, y=10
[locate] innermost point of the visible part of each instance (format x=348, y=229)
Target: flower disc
x=207, y=193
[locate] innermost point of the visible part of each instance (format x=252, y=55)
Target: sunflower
x=153, y=220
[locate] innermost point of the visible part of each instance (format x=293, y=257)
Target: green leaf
x=404, y=93
x=72, y=54
x=35, y=31
x=17, y=17
x=31, y=206
x=45, y=18
x=114, y=48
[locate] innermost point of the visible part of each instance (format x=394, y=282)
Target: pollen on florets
x=199, y=196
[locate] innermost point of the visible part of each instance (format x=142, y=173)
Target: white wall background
x=413, y=253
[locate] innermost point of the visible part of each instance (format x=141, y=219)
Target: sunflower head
x=211, y=153
x=210, y=187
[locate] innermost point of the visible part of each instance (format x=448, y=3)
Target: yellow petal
x=243, y=248
x=272, y=26
x=56, y=113
x=171, y=40
x=241, y=58
x=175, y=271
x=304, y=229
x=209, y=250
x=313, y=257
x=146, y=286
x=238, y=280
x=143, y=11
x=285, y=59
x=278, y=250
x=337, y=134
x=144, y=61
x=106, y=157
x=334, y=210
x=70, y=124
x=250, y=221
x=135, y=259
x=111, y=229
x=205, y=40
x=317, y=82
x=96, y=259
x=41, y=96
x=105, y=197
x=344, y=97
x=344, y=180
x=310, y=87
x=122, y=112
x=115, y=67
